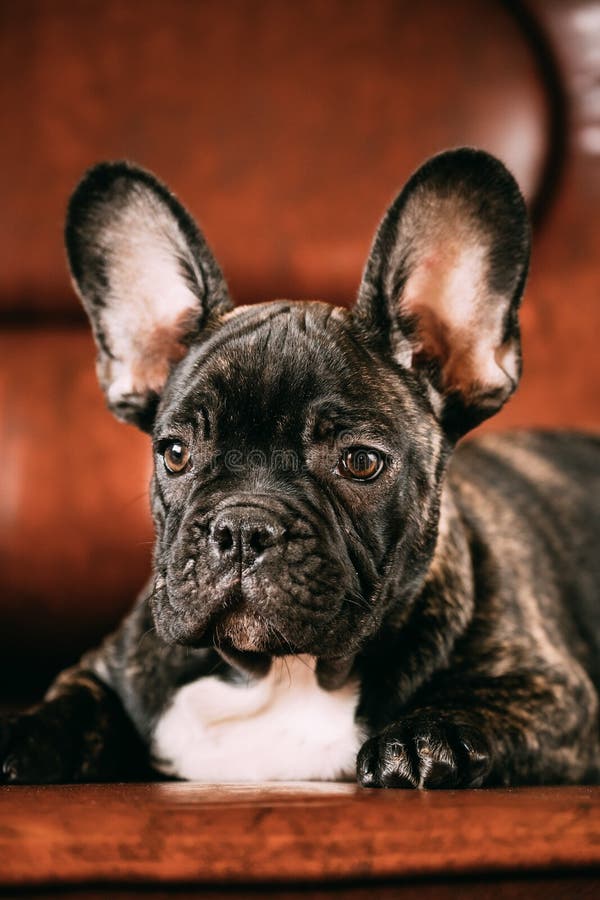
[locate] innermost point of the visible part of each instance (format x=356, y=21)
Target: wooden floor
x=281, y=840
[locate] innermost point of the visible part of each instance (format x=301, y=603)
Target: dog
x=337, y=591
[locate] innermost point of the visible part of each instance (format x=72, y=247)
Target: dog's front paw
x=32, y=752
x=425, y=751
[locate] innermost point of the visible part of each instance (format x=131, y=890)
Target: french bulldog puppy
x=337, y=591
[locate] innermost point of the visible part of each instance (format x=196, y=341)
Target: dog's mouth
x=248, y=621
x=248, y=641
x=237, y=626
x=243, y=638
x=245, y=630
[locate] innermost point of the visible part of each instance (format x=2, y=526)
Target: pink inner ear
x=459, y=321
x=157, y=351
x=150, y=369
x=148, y=354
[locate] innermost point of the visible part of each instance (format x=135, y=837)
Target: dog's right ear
x=147, y=280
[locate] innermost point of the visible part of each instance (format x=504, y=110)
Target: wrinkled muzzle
x=257, y=574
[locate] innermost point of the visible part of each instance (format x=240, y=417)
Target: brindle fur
x=461, y=587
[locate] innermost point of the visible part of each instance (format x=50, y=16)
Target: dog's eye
x=176, y=457
x=360, y=464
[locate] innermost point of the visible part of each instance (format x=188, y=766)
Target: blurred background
x=286, y=128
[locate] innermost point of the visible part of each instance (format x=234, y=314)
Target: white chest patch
x=281, y=728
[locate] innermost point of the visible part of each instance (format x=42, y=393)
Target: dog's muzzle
x=241, y=537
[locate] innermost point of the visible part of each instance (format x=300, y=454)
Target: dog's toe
x=366, y=764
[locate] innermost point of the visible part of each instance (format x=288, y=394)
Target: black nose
x=243, y=533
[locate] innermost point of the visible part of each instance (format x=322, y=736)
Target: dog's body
x=330, y=581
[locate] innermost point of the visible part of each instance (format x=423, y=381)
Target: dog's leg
x=79, y=733
x=95, y=722
x=518, y=728
x=81, y=730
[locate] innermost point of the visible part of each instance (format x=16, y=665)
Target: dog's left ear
x=444, y=280
x=147, y=280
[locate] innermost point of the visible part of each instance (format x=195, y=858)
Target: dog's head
x=299, y=447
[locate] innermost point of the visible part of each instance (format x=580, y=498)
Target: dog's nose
x=243, y=533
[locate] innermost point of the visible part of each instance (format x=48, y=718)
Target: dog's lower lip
x=237, y=623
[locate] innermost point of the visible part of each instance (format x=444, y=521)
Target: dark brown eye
x=176, y=456
x=360, y=463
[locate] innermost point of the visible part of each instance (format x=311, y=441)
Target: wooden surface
x=185, y=833
x=582, y=886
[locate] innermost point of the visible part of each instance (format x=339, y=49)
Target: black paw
x=32, y=752
x=424, y=751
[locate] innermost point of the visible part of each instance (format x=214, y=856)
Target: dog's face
x=300, y=448
x=287, y=456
